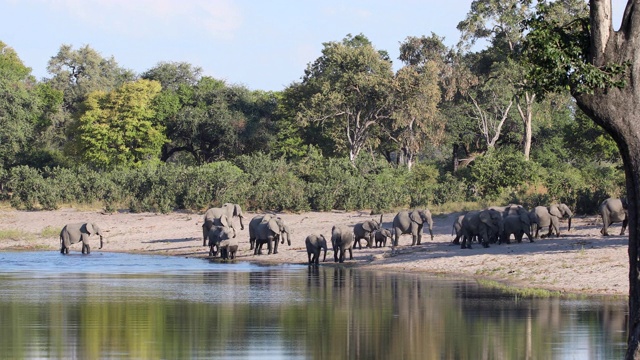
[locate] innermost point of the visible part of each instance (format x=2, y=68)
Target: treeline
x=449, y=126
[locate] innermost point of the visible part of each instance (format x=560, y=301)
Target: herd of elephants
x=492, y=225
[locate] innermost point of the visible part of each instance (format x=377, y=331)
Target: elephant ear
x=369, y=226
x=553, y=210
x=486, y=218
x=415, y=217
x=272, y=224
x=224, y=221
x=89, y=227
x=237, y=210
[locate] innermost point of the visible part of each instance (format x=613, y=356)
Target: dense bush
x=314, y=182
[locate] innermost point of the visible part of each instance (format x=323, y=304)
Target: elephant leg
x=625, y=222
x=419, y=236
x=275, y=246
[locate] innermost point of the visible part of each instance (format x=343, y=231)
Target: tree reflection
x=322, y=312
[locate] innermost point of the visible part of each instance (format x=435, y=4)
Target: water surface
x=110, y=305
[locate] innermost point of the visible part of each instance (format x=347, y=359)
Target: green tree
x=594, y=62
x=415, y=119
x=172, y=75
x=20, y=107
x=77, y=73
x=117, y=128
x=347, y=93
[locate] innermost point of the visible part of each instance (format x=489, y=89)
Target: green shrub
x=30, y=189
x=500, y=172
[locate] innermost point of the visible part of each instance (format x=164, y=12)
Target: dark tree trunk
x=618, y=112
x=455, y=157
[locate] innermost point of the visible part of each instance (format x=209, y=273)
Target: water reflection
x=189, y=308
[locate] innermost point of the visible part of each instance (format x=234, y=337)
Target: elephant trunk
x=100, y=242
x=569, y=224
x=241, y=224
x=324, y=259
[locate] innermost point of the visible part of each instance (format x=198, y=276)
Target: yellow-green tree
x=117, y=128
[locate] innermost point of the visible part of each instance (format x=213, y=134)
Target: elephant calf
x=315, y=244
x=380, y=237
x=228, y=249
x=74, y=233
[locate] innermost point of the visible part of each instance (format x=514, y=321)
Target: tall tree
x=348, y=93
x=118, y=129
x=601, y=67
x=500, y=23
x=77, y=73
x=20, y=107
x=415, y=118
x=174, y=74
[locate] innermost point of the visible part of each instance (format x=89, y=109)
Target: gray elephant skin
x=315, y=244
x=613, y=210
x=411, y=222
x=550, y=217
x=217, y=235
x=380, y=237
x=364, y=230
x=269, y=231
x=486, y=225
x=78, y=232
x=342, y=239
x=221, y=216
x=518, y=226
x=228, y=249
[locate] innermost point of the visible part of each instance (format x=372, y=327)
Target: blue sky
x=261, y=44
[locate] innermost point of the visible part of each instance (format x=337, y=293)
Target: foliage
x=500, y=171
x=556, y=52
x=117, y=128
x=347, y=91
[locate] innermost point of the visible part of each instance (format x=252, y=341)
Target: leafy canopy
x=117, y=128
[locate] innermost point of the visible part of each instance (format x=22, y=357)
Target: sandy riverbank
x=581, y=261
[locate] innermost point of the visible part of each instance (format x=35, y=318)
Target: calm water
x=107, y=305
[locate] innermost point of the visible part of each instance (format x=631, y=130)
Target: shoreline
x=580, y=262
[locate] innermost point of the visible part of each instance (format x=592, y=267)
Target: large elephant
x=217, y=235
x=411, y=222
x=76, y=232
x=342, y=239
x=214, y=217
x=550, y=217
x=613, y=210
x=253, y=227
x=315, y=244
x=380, y=237
x=269, y=231
x=365, y=230
x=486, y=225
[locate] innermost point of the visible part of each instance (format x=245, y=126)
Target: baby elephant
x=380, y=237
x=316, y=243
x=74, y=233
x=228, y=249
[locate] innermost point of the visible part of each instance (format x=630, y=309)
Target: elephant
x=214, y=217
x=364, y=230
x=411, y=222
x=457, y=228
x=518, y=225
x=76, y=232
x=550, y=217
x=380, y=237
x=228, y=248
x=270, y=230
x=316, y=243
x=342, y=239
x=485, y=224
x=613, y=210
x=217, y=235
x=253, y=227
